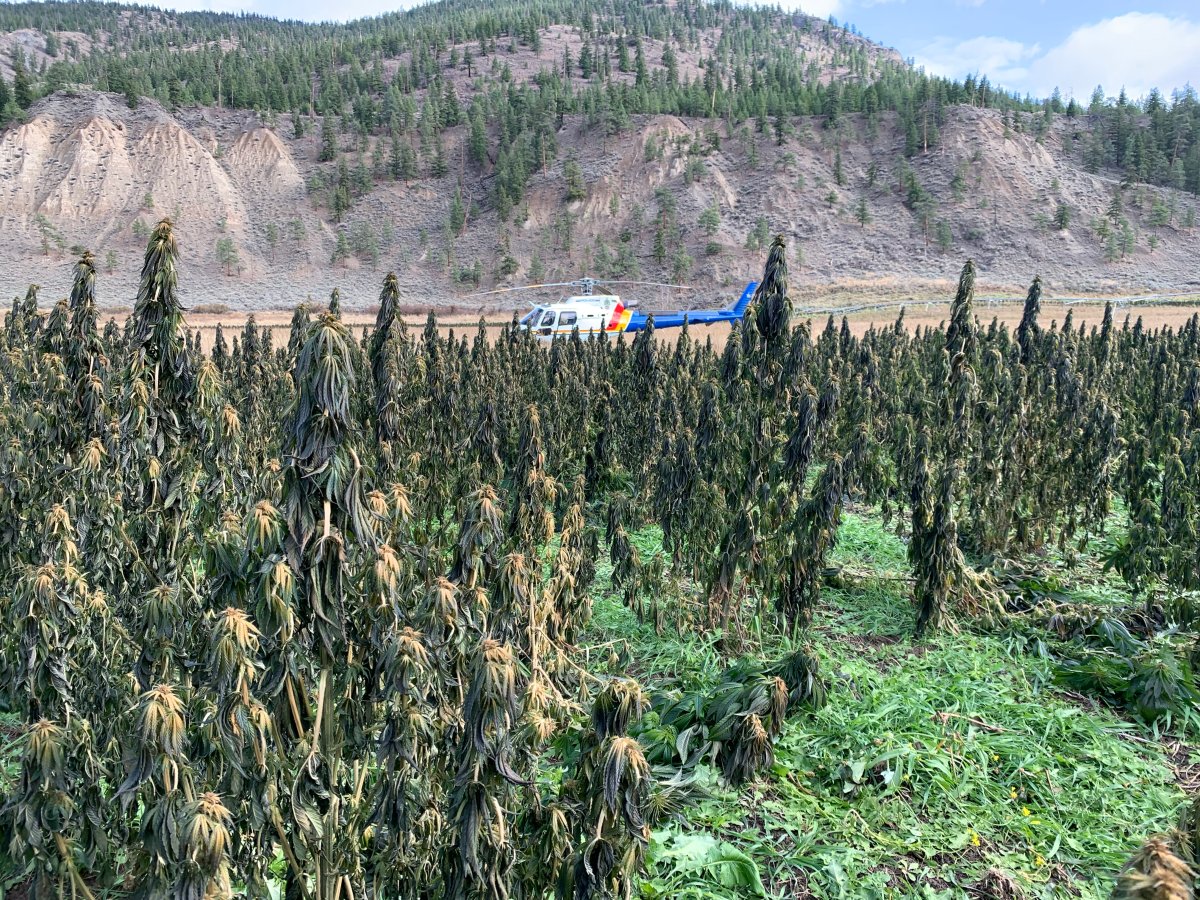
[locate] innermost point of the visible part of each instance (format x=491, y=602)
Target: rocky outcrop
x=85, y=169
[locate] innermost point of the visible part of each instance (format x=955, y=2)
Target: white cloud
x=822, y=9
x=1002, y=60
x=1137, y=51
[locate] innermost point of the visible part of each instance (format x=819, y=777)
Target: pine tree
x=22, y=87
x=341, y=249
x=573, y=175
x=671, y=64
x=458, y=215
x=1116, y=207
x=395, y=162
x=477, y=142
x=408, y=162
x=439, y=167
x=1062, y=216
x=227, y=255
x=945, y=236
x=759, y=234
x=862, y=213
x=297, y=232
x=329, y=150
x=339, y=201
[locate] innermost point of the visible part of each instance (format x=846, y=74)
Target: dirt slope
x=84, y=168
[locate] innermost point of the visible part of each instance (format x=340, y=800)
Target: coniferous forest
x=367, y=75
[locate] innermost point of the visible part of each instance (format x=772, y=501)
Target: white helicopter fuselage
x=587, y=314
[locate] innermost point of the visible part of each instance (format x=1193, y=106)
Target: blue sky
x=1036, y=45
x=1028, y=46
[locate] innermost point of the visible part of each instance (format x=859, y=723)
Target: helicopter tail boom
x=675, y=319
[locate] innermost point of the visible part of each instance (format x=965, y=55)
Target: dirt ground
x=923, y=314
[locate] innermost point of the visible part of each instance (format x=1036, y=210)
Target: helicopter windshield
x=530, y=318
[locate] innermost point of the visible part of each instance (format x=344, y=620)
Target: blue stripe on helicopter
x=676, y=318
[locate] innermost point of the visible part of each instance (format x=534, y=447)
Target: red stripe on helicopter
x=620, y=318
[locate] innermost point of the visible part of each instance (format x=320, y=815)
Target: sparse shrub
x=759, y=235
x=1062, y=217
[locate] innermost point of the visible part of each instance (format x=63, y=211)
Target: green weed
x=933, y=766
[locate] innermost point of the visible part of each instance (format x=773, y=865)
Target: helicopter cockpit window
x=548, y=318
x=531, y=317
x=567, y=319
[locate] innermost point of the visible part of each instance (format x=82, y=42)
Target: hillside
x=567, y=148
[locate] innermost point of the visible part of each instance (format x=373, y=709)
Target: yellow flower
x=974, y=838
x=1012, y=793
x=995, y=757
x=1025, y=811
x=1039, y=860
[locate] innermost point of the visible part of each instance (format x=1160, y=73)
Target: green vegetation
x=1062, y=216
x=758, y=236
x=227, y=255
x=573, y=175
x=954, y=761
x=891, y=614
x=862, y=212
x=272, y=235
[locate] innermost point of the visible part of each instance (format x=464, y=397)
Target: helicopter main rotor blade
x=585, y=283
x=682, y=287
x=525, y=287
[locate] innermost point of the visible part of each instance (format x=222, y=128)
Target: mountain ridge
x=503, y=158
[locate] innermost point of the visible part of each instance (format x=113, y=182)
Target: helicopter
x=590, y=313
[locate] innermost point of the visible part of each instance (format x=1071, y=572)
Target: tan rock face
x=265, y=176
x=25, y=152
x=174, y=166
x=89, y=167
x=95, y=181
x=92, y=175
x=260, y=155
